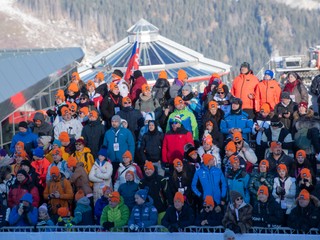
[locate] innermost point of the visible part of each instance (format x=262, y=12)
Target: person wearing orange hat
x=160, y=89
x=178, y=83
x=83, y=154
x=102, y=202
x=179, y=208
x=117, y=78
x=301, y=161
x=58, y=191
x=306, y=214
x=210, y=148
x=266, y=211
x=306, y=180
x=231, y=150
x=188, y=118
x=73, y=92
x=65, y=217
x=75, y=78
x=267, y=91
x=94, y=97
x=212, y=180
x=261, y=178
x=116, y=213
x=213, y=113
x=101, y=86
x=284, y=189
x=212, y=129
x=83, y=210
x=157, y=186
x=210, y=214
x=127, y=165
x=59, y=162
x=146, y=102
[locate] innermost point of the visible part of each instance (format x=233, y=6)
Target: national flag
x=133, y=63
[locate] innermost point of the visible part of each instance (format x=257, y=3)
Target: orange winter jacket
x=242, y=86
x=267, y=91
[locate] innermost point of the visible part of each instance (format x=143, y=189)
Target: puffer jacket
x=240, y=217
x=134, y=118
x=29, y=139
x=151, y=146
x=100, y=174
x=45, y=128
x=72, y=127
x=256, y=181
x=127, y=190
x=80, y=180
x=63, y=186
x=212, y=181
x=242, y=86
x=119, y=215
x=290, y=192
x=121, y=173
x=99, y=206
x=145, y=104
x=267, y=91
x=83, y=212
x=41, y=167
x=239, y=181
x=86, y=158
x=144, y=215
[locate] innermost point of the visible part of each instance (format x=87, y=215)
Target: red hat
x=206, y=158
x=81, y=141
x=127, y=154
x=231, y=146
x=264, y=162
x=54, y=170
x=301, y=153
x=305, y=173
x=182, y=75
x=178, y=100
x=263, y=190
x=237, y=136
x=212, y=104
x=148, y=165
x=72, y=161
x=177, y=162
x=209, y=201
x=115, y=196
x=282, y=166
x=64, y=137
x=303, y=104
x=304, y=194
x=179, y=197
x=233, y=159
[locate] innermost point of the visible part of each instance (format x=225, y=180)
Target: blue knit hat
x=103, y=152
x=38, y=152
x=143, y=193
x=58, y=142
x=269, y=72
x=27, y=197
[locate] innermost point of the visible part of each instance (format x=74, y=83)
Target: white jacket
x=213, y=151
x=122, y=173
x=72, y=127
x=100, y=175
x=290, y=188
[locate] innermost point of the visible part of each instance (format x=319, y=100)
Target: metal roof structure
x=156, y=53
x=26, y=73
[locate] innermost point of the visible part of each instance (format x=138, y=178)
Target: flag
x=133, y=63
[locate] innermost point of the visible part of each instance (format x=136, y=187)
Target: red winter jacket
x=136, y=88
x=173, y=144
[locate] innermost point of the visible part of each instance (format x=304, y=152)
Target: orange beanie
x=231, y=147
x=148, y=165
x=115, y=196
x=63, y=212
x=100, y=76
x=127, y=154
x=54, y=170
x=233, y=159
x=84, y=110
x=64, y=110
x=301, y=153
x=282, y=166
x=145, y=88
x=209, y=201
x=304, y=194
x=20, y=144
x=126, y=99
x=113, y=86
x=263, y=190
x=305, y=173
x=182, y=75
x=90, y=83
x=60, y=95
x=163, y=75
x=57, y=151
x=212, y=104
x=64, y=137
x=94, y=113
x=179, y=197
x=75, y=75
x=177, y=162
x=178, y=100
x=265, y=107
x=237, y=136
x=73, y=87
x=264, y=162
x=72, y=161
x=206, y=158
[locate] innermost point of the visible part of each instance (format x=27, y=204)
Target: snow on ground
x=301, y=4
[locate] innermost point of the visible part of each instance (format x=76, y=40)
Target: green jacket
x=119, y=215
x=188, y=121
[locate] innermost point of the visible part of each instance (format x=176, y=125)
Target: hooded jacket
x=83, y=212
x=85, y=157
x=267, y=91
x=151, y=145
x=29, y=139
x=136, y=88
x=144, y=215
x=45, y=128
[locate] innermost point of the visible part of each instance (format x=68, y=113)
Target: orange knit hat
x=264, y=162
x=90, y=83
x=145, y=88
x=100, y=76
x=212, y=104
x=206, y=158
x=304, y=194
x=73, y=106
x=64, y=137
x=237, y=136
x=113, y=86
x=84, y=110
x=56, y=151
x=282, y=166
x=60, y=95
x=263, y=190
x=301, y=153
x=208, y=139
x=130, y=172
x=265, y=108
x=182, y=74
x=179, y=197
x=64, y=110
x=63, y=211
x=148, y=165
x=73, y=87
x=126, y=99
x=209, y=201
x=233, y=159
x=220, y=87
x=305, y=173
x=75, y=75
x=177, y=162
x=127, y=154
x=163, y=75
x=54, y=170
x=20, y=144
x=94, y=113
x=22, y=154
x=72, y=161
x=231, y=147
x=273, y=145
x=115, y=196
x=178, y=100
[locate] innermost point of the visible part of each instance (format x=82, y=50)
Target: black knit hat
x=118, y=73
x=23, y=124
x=23, y=172
x=189, y=149
x=234, y=195
x=246, y=65
x=137, y=74
x=25, y=163
x=4, y=171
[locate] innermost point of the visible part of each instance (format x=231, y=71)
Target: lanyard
x=114, y=101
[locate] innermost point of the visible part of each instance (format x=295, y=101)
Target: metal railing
x=156, y=228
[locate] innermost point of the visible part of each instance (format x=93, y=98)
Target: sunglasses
x=175, y=122
x=238, y=143
x=220, y=93
x=206, y=207
x=239, y=198
x=83, y=98
x=127, y=103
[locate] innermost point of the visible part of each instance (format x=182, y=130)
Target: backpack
x=315, y=85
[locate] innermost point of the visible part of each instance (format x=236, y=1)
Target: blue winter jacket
x=99, y=206
x=125, y=140
x=239, y=181
x=26, y=219
x=29, y=139
x=236, y=121
x=212, y=181
x=144, y=215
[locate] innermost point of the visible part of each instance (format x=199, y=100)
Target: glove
x=133, y=227
x=278, y=190
x=107, y=225
x=50, y=113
